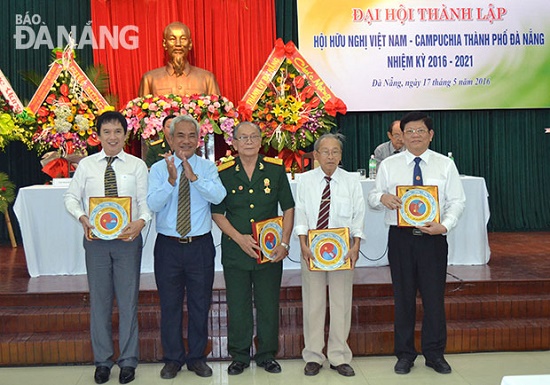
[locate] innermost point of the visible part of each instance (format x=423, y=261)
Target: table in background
x=53, y=239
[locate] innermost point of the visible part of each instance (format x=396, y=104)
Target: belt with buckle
x=185, y=239
x=410, y=230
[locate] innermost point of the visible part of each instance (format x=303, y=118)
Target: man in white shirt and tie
x=328, y=197
x=112, y=265
x=418, y=255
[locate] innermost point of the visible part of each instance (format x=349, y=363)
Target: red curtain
x=231, y=38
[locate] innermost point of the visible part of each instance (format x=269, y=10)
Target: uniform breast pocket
x=235, y=197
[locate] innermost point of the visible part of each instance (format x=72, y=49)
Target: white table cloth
x=52, y=239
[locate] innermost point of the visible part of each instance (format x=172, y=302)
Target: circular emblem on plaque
x=108, y=219
x=418, y=207
x=329, y=250
x=270, y=236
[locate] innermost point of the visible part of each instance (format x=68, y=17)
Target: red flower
x=50, y=99
x=299, y=82
x=43, y=111
x=92, y=139
x=64, y=89
x=307, y=93
x=314, y=102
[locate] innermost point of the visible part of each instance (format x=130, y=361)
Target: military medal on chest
x=267, y=190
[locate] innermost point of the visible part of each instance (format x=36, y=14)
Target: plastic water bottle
x=450, y=155
x=372, y=167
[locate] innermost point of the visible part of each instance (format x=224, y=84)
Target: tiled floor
x=468, y=369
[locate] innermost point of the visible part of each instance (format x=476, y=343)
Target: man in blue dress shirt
x=184, y=262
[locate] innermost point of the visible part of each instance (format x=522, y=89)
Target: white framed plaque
x=109, y=216
x=419, y=205
x=329, y=248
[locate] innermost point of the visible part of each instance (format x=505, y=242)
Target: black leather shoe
x=312, y=369
x=439, y=365
x=170, y=370
x=236, y=367
x=127, y=374
x=102, y=374
x=270, y=366
x=344, y=370
x=403, y=366
x=200, y=368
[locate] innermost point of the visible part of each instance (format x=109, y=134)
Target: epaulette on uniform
x=225, y=165
x=271, y=160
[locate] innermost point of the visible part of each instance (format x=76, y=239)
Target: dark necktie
x=417, y=175
x=110, y=178
x=396, y=152
x=183, y=223
x=324, y=207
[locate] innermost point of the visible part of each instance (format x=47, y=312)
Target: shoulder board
x=226, y=165
x=159, y=141
x=271, y=160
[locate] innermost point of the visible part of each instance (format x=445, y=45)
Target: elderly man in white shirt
x=418, y=255
x=346, y=209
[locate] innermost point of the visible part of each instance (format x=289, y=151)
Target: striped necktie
x=183, y=223
x=324, y=207
x=417, y=174
x=110, y=178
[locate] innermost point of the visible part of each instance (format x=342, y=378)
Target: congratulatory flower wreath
x=13, y=125
x=294, y=108
x=13, y=117
x=216, y=114
x=66, y=106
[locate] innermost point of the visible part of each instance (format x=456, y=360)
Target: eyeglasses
x=252, y=138
x=326, y=153
x=419, y=131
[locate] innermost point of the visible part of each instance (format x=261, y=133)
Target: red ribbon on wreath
x=291, y=158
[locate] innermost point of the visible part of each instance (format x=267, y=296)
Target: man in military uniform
x=256, y=186
x=161, y=146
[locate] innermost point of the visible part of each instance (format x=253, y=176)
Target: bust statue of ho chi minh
x=178, y=76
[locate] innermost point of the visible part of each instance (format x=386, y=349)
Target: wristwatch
x=285, y=245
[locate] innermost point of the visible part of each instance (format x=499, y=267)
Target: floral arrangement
x=13, y=126
x=7, y=192
x=216, y=114
x=291, y=115
x=66, y=119
x=66, y=105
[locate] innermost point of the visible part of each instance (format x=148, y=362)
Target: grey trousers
x=113, y=269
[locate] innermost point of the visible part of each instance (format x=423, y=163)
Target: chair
x=309, y=156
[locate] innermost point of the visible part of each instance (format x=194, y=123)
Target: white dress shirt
x=88, y=181
x=437, y=169
x=347, y=205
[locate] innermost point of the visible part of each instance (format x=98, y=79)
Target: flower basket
x=216, y=115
